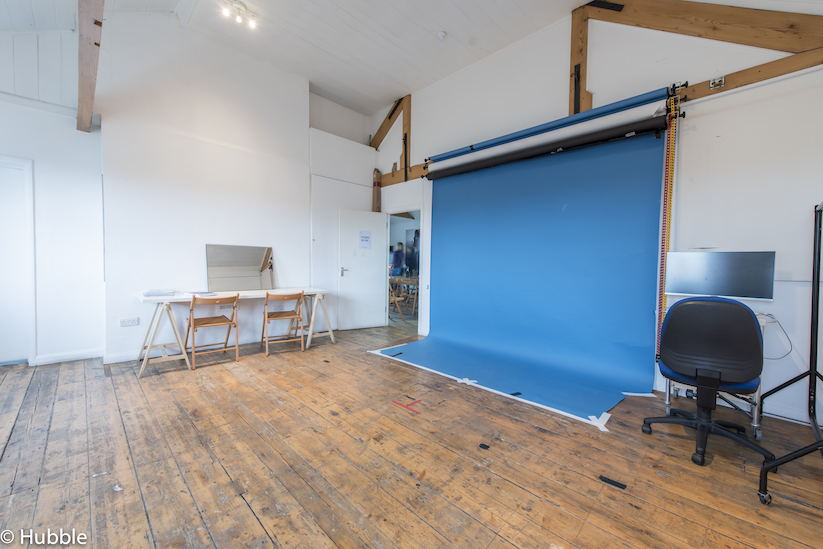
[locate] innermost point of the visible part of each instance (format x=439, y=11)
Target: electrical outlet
x=133, y=321
x=222, y=307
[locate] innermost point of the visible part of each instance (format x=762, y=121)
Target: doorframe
x=423, y=259
x=27, y=166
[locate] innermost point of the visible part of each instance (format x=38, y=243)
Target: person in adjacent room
x=397, y=261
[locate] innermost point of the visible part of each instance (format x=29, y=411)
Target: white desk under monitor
x=311, y=297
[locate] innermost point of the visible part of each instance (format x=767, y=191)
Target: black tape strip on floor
x=613, y=482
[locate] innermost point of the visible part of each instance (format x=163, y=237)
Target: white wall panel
x=6, y=63
x=25, y=66
x=402, y=197
x=50, y=67
x=338, y=158
x=68, y=229
x=330, y=117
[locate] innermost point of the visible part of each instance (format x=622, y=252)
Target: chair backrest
x=712, y=333
x=286, y=297
x=224, y=300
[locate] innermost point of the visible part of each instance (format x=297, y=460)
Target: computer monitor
x=745, y=275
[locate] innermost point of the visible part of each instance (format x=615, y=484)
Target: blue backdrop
x=543, y=276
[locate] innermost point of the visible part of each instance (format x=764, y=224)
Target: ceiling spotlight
x=441, y=35
x=240, y=10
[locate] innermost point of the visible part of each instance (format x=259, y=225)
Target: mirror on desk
x=232, y=268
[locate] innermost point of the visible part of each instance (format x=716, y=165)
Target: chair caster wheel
x=758, y=434
x=646, y=429
x=698, y=459
x=765, y=499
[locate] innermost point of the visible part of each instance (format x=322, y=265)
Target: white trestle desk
x=311, y=297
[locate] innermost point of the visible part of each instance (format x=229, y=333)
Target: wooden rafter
x=759, y=73
x=90, y=27
x=580, y=98
x=415, y=172
x=388, y=122
x=405, y=172
x=781, y=31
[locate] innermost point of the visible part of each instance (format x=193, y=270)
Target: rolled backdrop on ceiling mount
x=543, y=277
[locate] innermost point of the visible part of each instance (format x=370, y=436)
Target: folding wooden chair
x=193, y=324
x=394, y=300
x=295, y=318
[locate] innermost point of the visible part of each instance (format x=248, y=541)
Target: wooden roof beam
x=787, y=65
x=796, y=33
x=774, y=30
x=580, y=99
x=90, y=27
x=389, y=121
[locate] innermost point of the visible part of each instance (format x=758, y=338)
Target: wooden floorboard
x=316, y=449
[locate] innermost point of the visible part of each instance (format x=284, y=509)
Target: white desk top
x=181, y=297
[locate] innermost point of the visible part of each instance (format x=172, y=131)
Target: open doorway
x=404, y=273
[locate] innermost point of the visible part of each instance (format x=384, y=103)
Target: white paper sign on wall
x=365, y=240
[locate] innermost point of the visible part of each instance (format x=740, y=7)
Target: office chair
x=715, y=344
x=194, y=324
x=295, y=318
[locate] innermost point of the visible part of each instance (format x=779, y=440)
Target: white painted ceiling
x=362, y=54
x=31, y=15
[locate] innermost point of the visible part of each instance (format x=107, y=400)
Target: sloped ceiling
x=362, y=54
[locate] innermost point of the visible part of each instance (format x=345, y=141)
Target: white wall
x=338, y=120
x=201, y=144
x=749, y=158
x=341, y=179
x=342, y=159
x=68, y=221
x=755, y=187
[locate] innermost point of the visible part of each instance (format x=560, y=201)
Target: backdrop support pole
x=813, y=374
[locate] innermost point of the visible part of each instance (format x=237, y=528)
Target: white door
x=363, y=276
x=15, y=322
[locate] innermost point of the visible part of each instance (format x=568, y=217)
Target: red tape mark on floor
x=408, y=406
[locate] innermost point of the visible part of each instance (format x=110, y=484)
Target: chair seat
x=211, y=321
x=740, y=388
x=280, y=315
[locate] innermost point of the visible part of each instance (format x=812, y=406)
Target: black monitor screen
x=728, y=274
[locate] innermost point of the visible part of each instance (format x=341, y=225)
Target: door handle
x=342, y=269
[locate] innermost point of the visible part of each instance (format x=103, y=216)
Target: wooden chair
x=193, y=324
x=394, y=300
x=412, y=294
x=295, y=318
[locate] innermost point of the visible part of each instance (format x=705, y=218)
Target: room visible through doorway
x=404, y=249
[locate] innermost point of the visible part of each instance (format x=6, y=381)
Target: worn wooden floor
x=311, y=450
